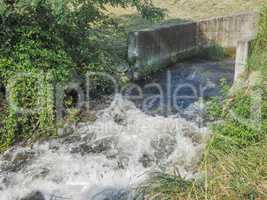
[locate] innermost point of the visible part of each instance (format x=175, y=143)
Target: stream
x=108, y=158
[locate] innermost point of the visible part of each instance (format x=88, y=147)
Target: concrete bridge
x=151, y=49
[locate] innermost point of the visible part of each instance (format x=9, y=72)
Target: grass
x=240, y=174
x=234, y=165
x=230, y=170
x=185, y=10
x=258, y=59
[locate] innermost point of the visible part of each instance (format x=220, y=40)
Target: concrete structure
x=242, y=53
x=150, y=49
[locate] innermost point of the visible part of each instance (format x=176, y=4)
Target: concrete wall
x=242, y=54
x=150, y=49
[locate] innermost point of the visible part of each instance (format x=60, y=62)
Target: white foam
x=168, y=141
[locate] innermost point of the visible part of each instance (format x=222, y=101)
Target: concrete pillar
x=242, y=52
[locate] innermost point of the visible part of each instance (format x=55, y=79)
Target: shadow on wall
x=151, y=49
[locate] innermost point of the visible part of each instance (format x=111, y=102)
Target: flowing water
x=106, y=159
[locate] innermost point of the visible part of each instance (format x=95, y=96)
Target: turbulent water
x=105, y=158
x=108, y=158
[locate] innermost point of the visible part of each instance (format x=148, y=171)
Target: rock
x=146, y=160
x=41, y=173
x=105, y=144
x=120, y=119
x=123, y=162
x=113, y=153
x=88, y=115
x=84, y=128
x=195, y=113
x=36, y=195
x=71, y=139
x=196, y=137
x=88, y=137
x=75, y=150
x=23, y=155
x=53, y=145
x=86, y=133
x=16, y=160
x=112, y=194
x=99, y=146
x=65, y=131
x=7, y=156
x=4, y=182
x=84, y=148
x=164, y=145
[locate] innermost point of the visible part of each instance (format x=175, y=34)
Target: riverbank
x=234, y=165
x=121, y=146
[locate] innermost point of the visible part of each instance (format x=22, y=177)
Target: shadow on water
x=170, y=91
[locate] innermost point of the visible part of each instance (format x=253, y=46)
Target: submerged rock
x=164, y=145
x=146, y=160
x=36, y=195
x=99, y=146
x=104, y=144
x=4, y=182
x=54, y=145
x=112, y=194
x=16, y=160
x=41, y=173
x=196, y=113
x=65, y=131
x=71, y=139
x=75, y=150
x=8, y=155
x=120, y=119
x=123, y=162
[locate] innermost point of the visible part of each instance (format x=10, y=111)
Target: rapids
x=108, y=158
x=105, y=158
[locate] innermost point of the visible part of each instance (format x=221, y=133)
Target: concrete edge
x=257, y=14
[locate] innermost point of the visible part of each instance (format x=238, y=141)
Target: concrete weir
x=165, y=45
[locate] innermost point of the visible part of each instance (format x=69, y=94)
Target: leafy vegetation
x=237, y=109
x=43, y=44
x=258, y=59
x=214, y=52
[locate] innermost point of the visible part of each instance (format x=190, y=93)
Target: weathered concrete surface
x=227, y=31
x=243, y=50
x=242, y=53
x=150, y=49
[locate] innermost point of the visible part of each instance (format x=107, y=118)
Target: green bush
x=214, y=52
x=236, y=126
x=240, y=103
x=46, y=42
x=258, y=59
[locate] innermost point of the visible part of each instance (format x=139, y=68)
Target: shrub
x=258, y=59
x=46, y=42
